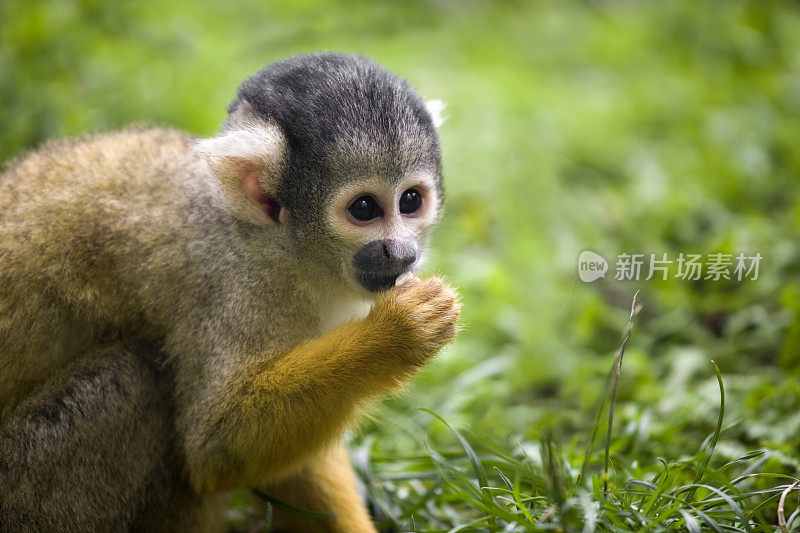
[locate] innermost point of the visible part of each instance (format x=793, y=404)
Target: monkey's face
x=382, y=227
x=342, y=154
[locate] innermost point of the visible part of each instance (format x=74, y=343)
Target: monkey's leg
x=87, y=449
x=273, y=416
x=326, y=484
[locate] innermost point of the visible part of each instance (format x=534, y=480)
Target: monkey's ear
x=435, y=110
x=248, y=161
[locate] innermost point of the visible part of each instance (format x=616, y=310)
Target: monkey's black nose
x=378, y=263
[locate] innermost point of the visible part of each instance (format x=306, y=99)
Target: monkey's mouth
x=377, y=281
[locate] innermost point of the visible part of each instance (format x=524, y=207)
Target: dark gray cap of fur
x=341, y=114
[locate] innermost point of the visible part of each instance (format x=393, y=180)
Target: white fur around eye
x=435, y=110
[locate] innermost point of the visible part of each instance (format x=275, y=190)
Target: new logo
x=591, y=266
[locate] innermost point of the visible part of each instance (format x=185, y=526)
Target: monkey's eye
x=410, y=201
x=364, y=208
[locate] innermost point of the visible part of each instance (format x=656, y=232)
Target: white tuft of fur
x=261, y=143
x=341, y=309
x=435, y=110
x=261, y=148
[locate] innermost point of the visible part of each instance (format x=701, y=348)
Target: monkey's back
x=74, y=216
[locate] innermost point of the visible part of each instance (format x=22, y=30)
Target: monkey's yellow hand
x=418, y=317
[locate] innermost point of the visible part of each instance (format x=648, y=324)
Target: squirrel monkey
x=184, y=317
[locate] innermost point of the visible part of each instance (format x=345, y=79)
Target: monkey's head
x=338, y=157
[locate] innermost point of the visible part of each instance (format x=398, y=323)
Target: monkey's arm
x=268, y=420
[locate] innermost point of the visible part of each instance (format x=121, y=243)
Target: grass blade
x=268, y=518
x=715, y=436
x=617, y=371
x=781, y=503
x=291, y=508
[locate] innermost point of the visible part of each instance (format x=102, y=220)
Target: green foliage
x=530, y=487
x=649, y=127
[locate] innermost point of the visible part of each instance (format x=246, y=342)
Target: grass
x=527, y=487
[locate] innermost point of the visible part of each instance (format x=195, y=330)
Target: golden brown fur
x=75, y=218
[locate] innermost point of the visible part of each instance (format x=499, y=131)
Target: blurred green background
x=651, y=127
